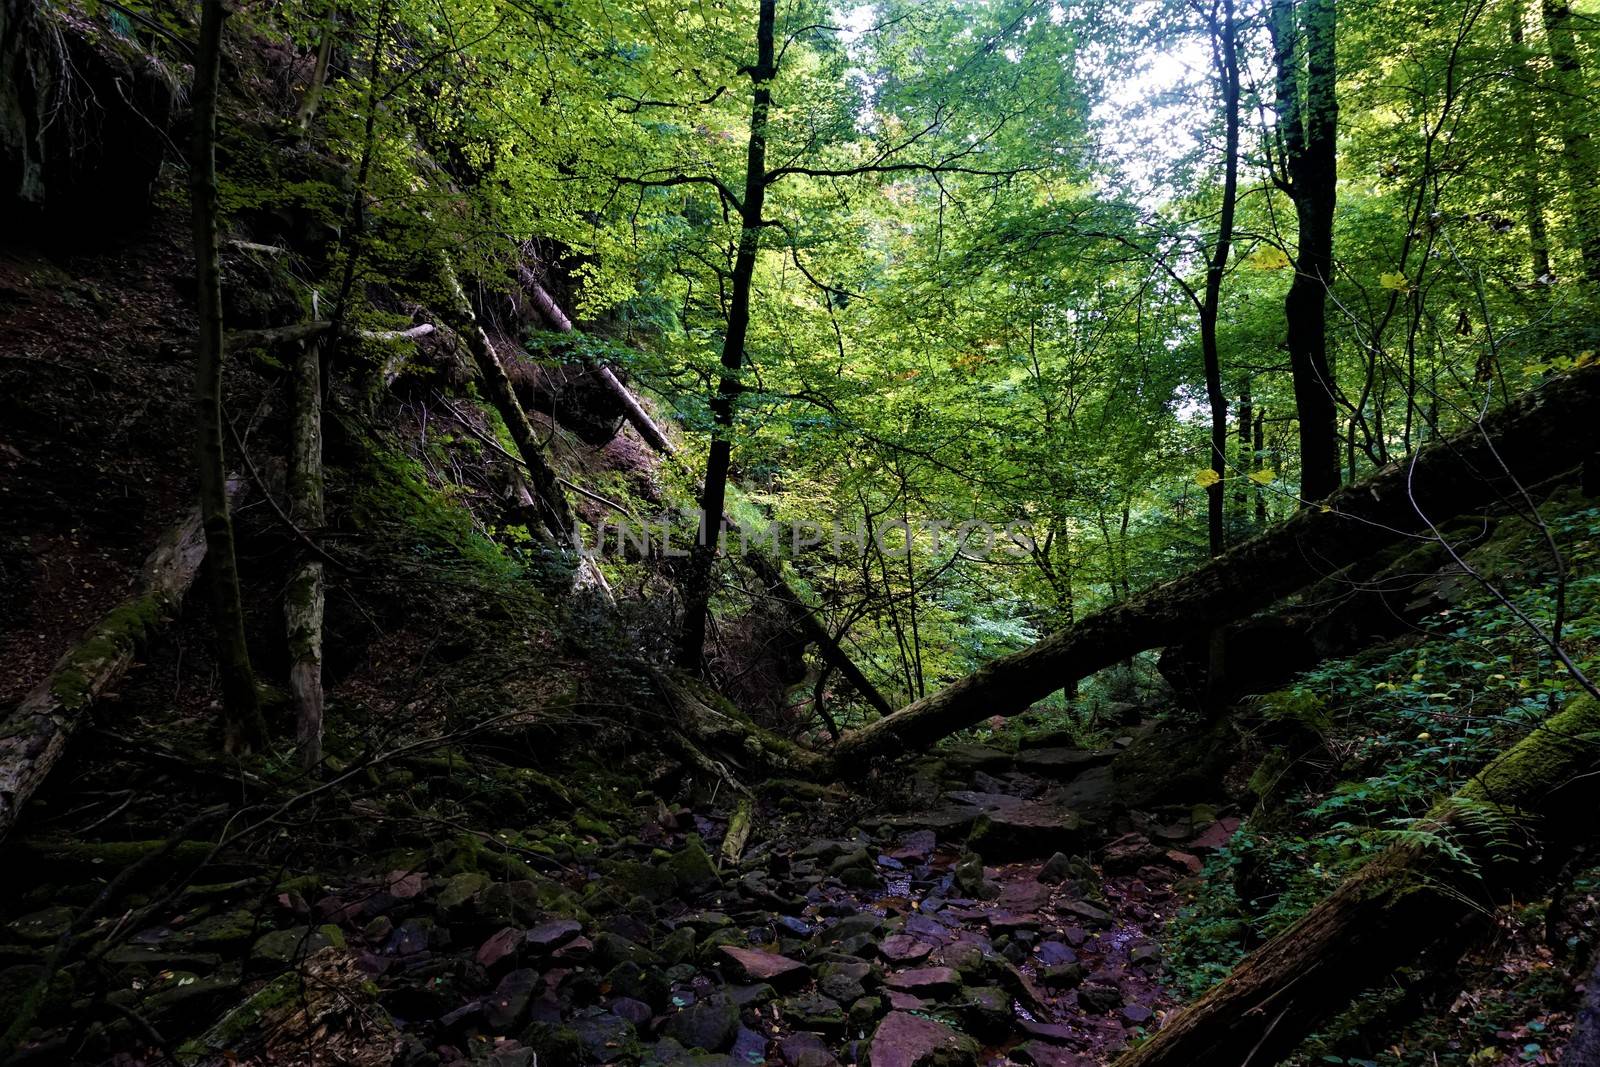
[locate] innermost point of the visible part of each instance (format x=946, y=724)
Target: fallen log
x=1540, y=434
x=35, y=735
x=1502, y=834
x=769, y=572
x=303, y=600
x=553, y=509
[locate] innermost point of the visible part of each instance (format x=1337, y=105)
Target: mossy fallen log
x=36, y=733
x=1501, y=834
x=1544, y=432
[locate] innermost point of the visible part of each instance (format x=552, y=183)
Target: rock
x=984, y=1010
x=1061, y=763
x=410, y=938
x=970, y=878
x=1044, y=1054
x=856, y=858
x=752, y=996
x=1056, y=869
x=903, y=948
x=1050, y=1033
x=805, y=1050
x=1061, y=975
x=504, y=1010
x=603, y=1038
x=904, y=1001
x=498, y=947
x=709, y=1024
x=1147, y=953
x=813, y=1011
x=1128, y=853
x=461, y=889
x=840, y=987
x=1099, y=997
x=864, y=1012
x=1052, y=953
x=611, y=949
x=42, y=927
x=635, y=1011
x=692, y=869
x=904, y=1040
x=283, y=947
x=1087, y=912
x=925, y=981
x=1026, y=830
x=1136, y=1014
x=749, y=1047
x=754, y=966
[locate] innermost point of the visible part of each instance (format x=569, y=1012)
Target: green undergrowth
x=1384, y=734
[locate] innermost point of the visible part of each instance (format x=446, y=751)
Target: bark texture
x=1543, y=433
x=303, y=600
x=33, y=738
x=1535, y=800
x=243, y=728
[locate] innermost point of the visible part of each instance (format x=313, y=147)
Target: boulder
x=905, y=1040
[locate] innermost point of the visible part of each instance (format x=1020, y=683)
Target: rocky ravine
x=1009, y=918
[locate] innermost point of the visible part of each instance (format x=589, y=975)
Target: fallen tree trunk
x=35, y=735
x=1493, y=839
x=553, y=508
x=303, y=600
x=769, y=572
x=1539, y=435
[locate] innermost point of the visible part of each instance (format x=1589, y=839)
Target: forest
x=706, y=533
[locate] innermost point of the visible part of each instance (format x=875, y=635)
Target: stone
x=865, y=1011
x=805, y=1050
x=461, y=889
x=42, y=927
x=970, y=878
x=1026, y=830
x=1061, y=975
x=635, y=1011
x=749, y=1047
x=1136, y=1014
x=499, y=946
x=1061, y=763
x=506, y=1008
x=1099, y=997
x=1087, y=912
x=754, y=966
x=1056, y=869
x=604, y=1038
x=813, y=1011
x=692, y=868
x=905, y=1040
x=283, y=947
x=984, y=1010
x=1148, y=953
x=709, y=1024
x=1044, y=1054
x=1051, y=953
x=1186, y=862
x=840, y=987
x=903, y=948
x=925, y=981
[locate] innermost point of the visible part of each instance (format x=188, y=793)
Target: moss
x=110, y=856
x=272, y=998
x=122, y=629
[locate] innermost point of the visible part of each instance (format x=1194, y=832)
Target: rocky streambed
x=1009, y=914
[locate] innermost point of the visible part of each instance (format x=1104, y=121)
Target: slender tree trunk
x=1537, y=798
x=1258, y=462
x=702, y=557
x=1225, y=45
x=1575, y=123
x=1308, y=121
x=1537, y=436
x=1245, y=462
x=1528, y=125
x=303, y=600
x=243, y=728
x=319, y=71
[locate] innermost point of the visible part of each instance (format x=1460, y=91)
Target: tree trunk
x=1575, y=123
x=1528, y=126
x=1308, y=120
x=1541, y=434
x=1226, y=45
x=638, y=418
x=1245, y=462
x=1533, y=801
x=243, y=728
x=303, y=600
x=702, y=557
x=36, y=734
x=553, y=509
x=319, y=72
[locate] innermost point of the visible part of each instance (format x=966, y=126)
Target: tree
x=1307, y=171
x=243, y=727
